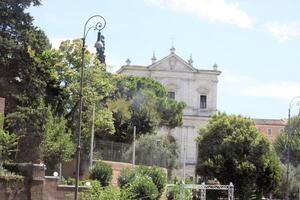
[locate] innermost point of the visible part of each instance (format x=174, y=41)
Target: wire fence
x=122, y=152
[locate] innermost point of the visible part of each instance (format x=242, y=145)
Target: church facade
x=196, y=87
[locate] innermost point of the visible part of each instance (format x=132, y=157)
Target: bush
x=157, y=175
x=102, y=172
x=143, y=187
x=108, y=193
x=175, y=192
x=127, y=176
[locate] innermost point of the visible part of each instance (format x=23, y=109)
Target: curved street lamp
x=294, y=101
x=100, y=25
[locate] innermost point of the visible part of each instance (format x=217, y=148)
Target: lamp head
x=98, y=44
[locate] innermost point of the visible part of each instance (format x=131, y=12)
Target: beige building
x=184, y=82
x=270, y=127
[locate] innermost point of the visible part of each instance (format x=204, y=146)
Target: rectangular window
x=203, y=102
x=269, y=132
x=171, y=95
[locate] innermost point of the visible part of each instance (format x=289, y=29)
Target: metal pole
x=288, y=156
x=133, y=152
x=79, y=121
x=92, y=137
x=98, y=26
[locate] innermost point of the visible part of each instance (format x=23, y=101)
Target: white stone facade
x=196, y=87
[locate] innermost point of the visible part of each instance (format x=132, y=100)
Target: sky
x=255, y=43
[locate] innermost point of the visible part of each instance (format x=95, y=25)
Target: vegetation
x=8, y=145
x=155, y=150
x=231, y=149
x=106, y=193
x=176, y=192
x=141, y=102
x=102, y=172
x=127, y=176
x=134, y=180
x=281, y=142
x=143, y=188
x=57, y=144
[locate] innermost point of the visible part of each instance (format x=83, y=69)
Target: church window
x=203, y=104
x=171, y=95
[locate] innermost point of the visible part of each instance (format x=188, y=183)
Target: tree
x=28, y=123
x=22, y=81
x=155, y=150
x=96, y=87
x=57, y=145
x=8, y=145
x=281, y=142
x=231, y=149
x=144, y=103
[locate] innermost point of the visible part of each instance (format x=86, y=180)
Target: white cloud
x=283, y=32
x=240, y=84
x=56, y=42
x=279, y=90
x=113, y=64
x=214, y=10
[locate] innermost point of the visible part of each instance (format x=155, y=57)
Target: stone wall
x=54, y=191
x=35, y=185
x=12, y=188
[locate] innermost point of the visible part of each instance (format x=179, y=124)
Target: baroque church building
x=184, y=82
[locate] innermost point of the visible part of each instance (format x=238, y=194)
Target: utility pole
x=92, y=137
x=133, y=151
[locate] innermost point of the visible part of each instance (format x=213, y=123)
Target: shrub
x=127, y=175
x=144, y=188
x=108, y=193
x=157, y=175
x=175, y=192
x=102, y=172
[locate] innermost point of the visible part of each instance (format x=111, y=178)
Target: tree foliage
x=143, y=182
x=57, y=145
x=155, y=150
x=8, y=145
x=231, y=149
x=281, y=142
x=102, y=172
x=141, y=102
x=23, y=81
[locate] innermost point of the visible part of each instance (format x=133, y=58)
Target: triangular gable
x=172, y=62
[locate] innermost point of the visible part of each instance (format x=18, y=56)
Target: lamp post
x=295, y=100
x=100, y=25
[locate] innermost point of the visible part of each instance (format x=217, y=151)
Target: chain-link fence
x=122, y=152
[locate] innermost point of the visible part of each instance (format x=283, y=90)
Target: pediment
x=172, y=63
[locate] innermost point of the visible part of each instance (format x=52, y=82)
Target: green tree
x=96, y=88
x=8, y=145
x=281, y=142
x=23, y=80
x=57, y=145
x=231, y=149
x=144, y=103
x=28, y=123
x=155, y=150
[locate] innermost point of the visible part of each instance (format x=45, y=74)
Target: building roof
x=276, y=122
x=188, y=65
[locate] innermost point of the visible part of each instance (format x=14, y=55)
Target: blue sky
x=255, y=43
